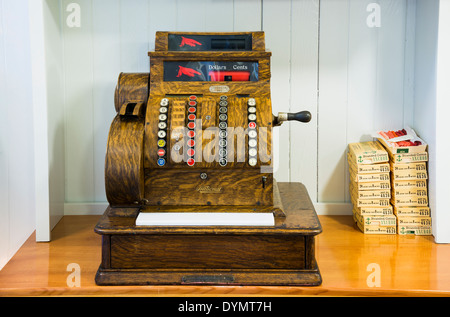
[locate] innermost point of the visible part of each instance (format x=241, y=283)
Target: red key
x=192, y=117
x=190, y=152
x=252, y=125
x=192, y=109
x=193, y=97
x=191, y=125
x=191, y=162
x=161, y=152
x=192, y=103
x=191, y=134
x=191, y=143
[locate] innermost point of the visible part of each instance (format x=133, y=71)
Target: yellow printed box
x=409, y=175
x=370, y=194
x=374, y=211
x=401, y=167
x=382, y=221
x=369, y=178
x=409, y=157
x=404, y=192
x=409, y=184
x=373, y=185
x=381, y=202
x=415, y=230
x=371, y=152
x=412, y=211
x=417, y=221
x=410, y=201
x=376, y=229
x=367, y=168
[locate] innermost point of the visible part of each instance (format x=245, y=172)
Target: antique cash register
x=188, y=172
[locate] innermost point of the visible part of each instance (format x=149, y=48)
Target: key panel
x=203, y=131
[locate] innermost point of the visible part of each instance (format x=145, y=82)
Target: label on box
x=372, y=185
x=409, y=184
x=371, y=202
x=419, y=167
x=409, y=157
x=381, y=221
x=376, y=229
x=370, y=194
x=374, y=211
x=412, y=211
x=409, y=175
x=368, y=152
x=411, y=191
x=365, y=178
x=410, y=201
x=419, y=221
x=367, y=168
x=416, y=230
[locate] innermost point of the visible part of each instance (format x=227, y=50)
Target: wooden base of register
x=283, y=254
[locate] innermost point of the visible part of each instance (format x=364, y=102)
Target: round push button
x=162, y=134
x=191, y=162
x=222, y=125
x=161, y=152
x=252, y=143
x=190, y=152
x=252, y=161
x=252, y=117
x=252, y=125
x=161, y=162
x=191, y=133
x=252, y=133
x=191, y=143
x=192, y=97
x=161, y=143
x=162, y=125
x=192, y=117
x=191, y=125
x=192, y=103
x=192, y=109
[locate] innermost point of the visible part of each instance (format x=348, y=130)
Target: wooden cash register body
x=139, y=179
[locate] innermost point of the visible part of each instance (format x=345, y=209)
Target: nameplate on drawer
x=206, y=279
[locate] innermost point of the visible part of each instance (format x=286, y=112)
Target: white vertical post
x=442, y=218
x=39, y=91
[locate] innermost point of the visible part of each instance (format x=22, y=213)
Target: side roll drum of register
x=192, y=142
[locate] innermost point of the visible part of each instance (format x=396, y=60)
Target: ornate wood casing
x=150, y=161
x=194, y=135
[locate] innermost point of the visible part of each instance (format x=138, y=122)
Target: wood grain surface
x=410, y=266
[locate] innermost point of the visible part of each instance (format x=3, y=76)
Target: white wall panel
x=17, y=164
x=326, y=59
x=277, y=27
x=78, y=103
x=333, y=100
x=304, y=93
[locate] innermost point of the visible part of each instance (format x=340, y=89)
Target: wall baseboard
x=83, y=209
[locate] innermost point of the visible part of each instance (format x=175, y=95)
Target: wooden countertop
x=347, y=259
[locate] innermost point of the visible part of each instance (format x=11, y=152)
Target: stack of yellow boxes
x=409, y=177
x=409, y=193
x=370, y=188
